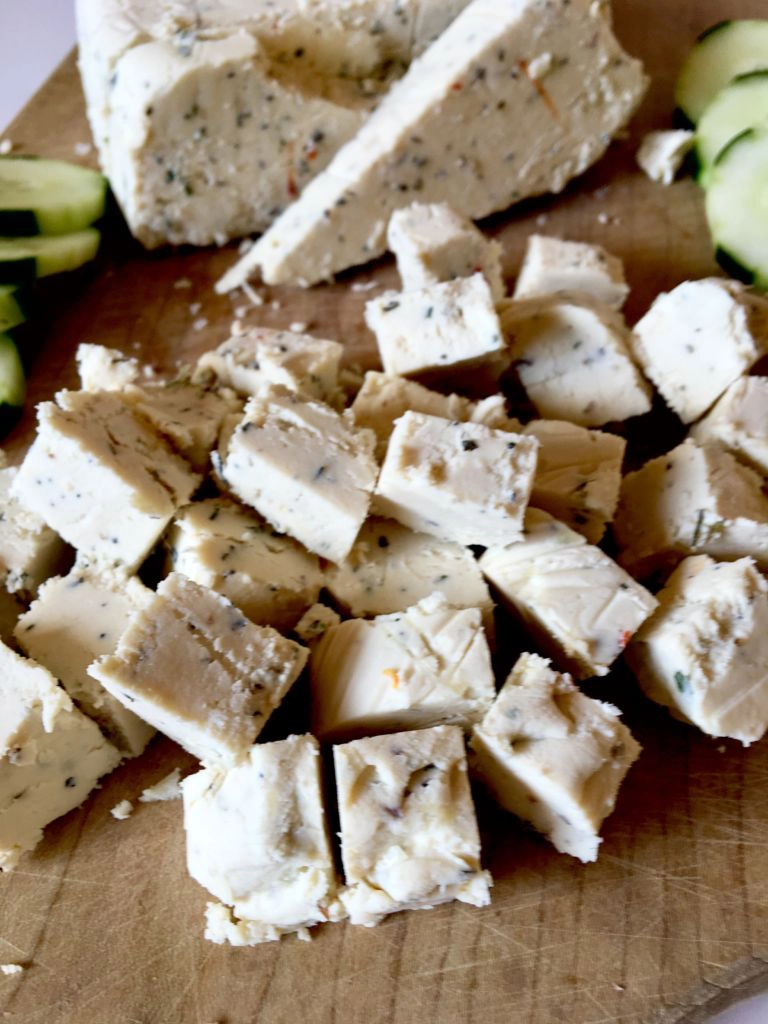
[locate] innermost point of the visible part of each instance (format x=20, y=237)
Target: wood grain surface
x=103, y=915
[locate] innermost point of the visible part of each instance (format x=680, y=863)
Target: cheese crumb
x=11, y=968
x=82, y=148
x=363, y=286
x=241, y=312
x=245, y=246
x=183, y=282
x=122, y=810
x=299, y=327
x=5, y=147
x=200, y=324
x=194, y=308
x=252, y=295
x=166, y=789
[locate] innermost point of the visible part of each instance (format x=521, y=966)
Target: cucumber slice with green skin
x=721, y=53
x=23, y=259
x=743, y=103
x=737, y=206
x=14, y=306
x=12, y=383
x=48, y=197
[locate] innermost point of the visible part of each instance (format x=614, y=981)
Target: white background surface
x=35, y=36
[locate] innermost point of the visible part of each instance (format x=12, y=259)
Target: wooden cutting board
x=103, y=915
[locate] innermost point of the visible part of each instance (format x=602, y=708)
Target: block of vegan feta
x=75, y=619
x=739, y=422
x=263, y=355
x=439, y=331
x=697, y=339
x=101, y=477
x=577, y=600
x=461, y=482
x=304, y=467
x=428, y=665
x=553, y=756
x=695, y=499
x=409, y=838
x=30, y=551
x=51, y=755
x=432, y=242
x=391, y=568
x=189, y=416
x=384, y=397
x=573, y=359
x=553, y=265
x=704, y=652
x=661, y=154
x=442, y=133
x=578, y=475
x=105, y=369
x=257, y=839
x=194, y=667
x=223, y=545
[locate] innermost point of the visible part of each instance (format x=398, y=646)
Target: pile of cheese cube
x=359, y=534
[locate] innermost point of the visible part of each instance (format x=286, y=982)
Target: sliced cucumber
x=743, y=103
x=12, y=383
x=48, y=197
x=721, y=53
x=737, y=206
x=23, y=259
x=14, y=306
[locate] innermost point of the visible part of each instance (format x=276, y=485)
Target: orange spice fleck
x=393, y=675
x=549, y=103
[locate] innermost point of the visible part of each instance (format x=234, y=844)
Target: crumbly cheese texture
x=553, y=756
x=704, y=653
x=661, y=154
x=442, y=133
x=384, y=397
x=573, y=358
x=554, y=266
x=303, y=467
x=257, y=839
x=391, y=568
x=432, y=242
x=578, y=475
x=695, y=499
x=30, y=551
x=428, y=665
x=697, y=339
x=263, y=355
x=439, y=329
x=51, y=755
x=409, y=838
x=739, y=422
x=460, y=482
x=582, y=604
x=101, y=477
x=168, y=788
x=223, y=545
x=195, y=668
x=75, y=619
x=105, y=369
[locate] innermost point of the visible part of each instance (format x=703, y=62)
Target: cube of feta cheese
x=578, y=475
x=257, y=839
x=580, y=603
x=101, y=477
x=552, y=265
x=573, y=359
x=263, y=355
x=105, y=369
x=409, y=838
x=391, y=568
x=697, y=339
x=222, y=545
x=460, y=482
x=704, y=652
x=428, y=665
x=304, y=467
x=75, y=619
x=739, y=422
x=432, y=242
x=195, y=668
x=696, y=498
x=661, y=154
x=553, y=756
x=30, y=551
x=51, y=755
x=439, y=330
